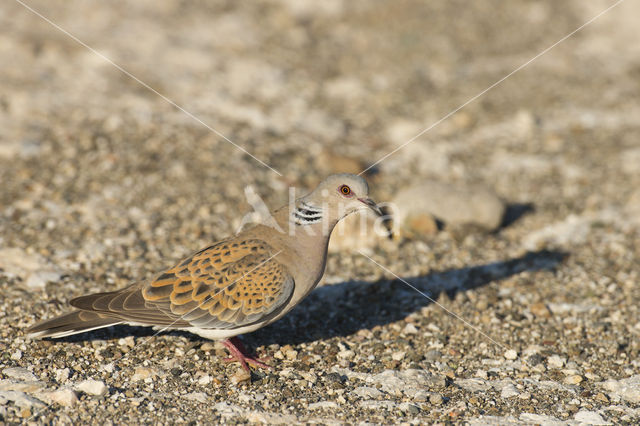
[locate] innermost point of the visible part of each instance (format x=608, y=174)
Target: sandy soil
x=105, y=182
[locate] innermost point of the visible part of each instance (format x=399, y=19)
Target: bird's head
x=341, y=195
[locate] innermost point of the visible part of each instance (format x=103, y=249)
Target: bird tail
x=72, y=323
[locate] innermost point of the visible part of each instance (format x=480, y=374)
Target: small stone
x=204, y=380
x=398, y=356
x=367, y=392
x=482, y=374
x=433, y=355
x=347, y=354
x=556, y=361
x=409, y=329
x=590, y=418
x=511, y=354
x=208, y=346
x=602, y=398
x=92, y=387
x=143, y=373
x=525, y=396
x=240, y=376
x=436, y=399
x=20, y=399
x=509, y=391
x=573, y=379
x=62, y=374
x=17, y=355
x=196, y=396
x=627, y=389
x=63, y=396
x=291, y=354
x=20, y=373
x=410, y=409
x=540, y=310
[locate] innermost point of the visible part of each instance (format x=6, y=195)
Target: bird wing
x=231, y=284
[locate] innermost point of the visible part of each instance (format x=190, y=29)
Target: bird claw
x=237, y=351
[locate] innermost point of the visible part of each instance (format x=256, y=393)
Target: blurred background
x=104, y=182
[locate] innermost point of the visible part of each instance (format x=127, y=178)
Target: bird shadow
x=343, y=309
x=514, y=212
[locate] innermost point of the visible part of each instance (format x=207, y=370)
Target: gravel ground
x=104, y=182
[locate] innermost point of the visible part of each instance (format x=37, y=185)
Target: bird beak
x=372, y=205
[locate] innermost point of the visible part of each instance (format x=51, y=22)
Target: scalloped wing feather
x=231, y=284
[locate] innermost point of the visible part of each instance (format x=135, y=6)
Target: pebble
x=20, y=399
x=17, y=355
x=511, y=354
x=62, y=374
x=143, y=373
x=409, y=408
x=525, y=396
x=204, y=380
x=573, y=379
x=196, y=396
x=481, y=374
x=453, y=204
x=627, y=389
x=347, y=354
x=240, y=376
x=590, y=418
x=367, y=392
x=63, y=396
x=398, y=356
x=556, y=361
x=410, y=329
x=208, y=346
x=508, y=391
x=436, y=399
x=20, y=373
x=92, y=387
x=14, y=385
x=291, y=354
x=540, y=310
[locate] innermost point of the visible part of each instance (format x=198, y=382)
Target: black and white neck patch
x=306, y=214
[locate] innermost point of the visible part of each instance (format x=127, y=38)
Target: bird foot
x=239, y=354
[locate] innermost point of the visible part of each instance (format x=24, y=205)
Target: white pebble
x=92, y=387
x=63, y=396
x=590, y=418
x=204, y=380
x=511, y=354
x=556, y=361
x=410, y=329
x=62, y=374
x=20, y=373
x=398, y=356
x=509, y=391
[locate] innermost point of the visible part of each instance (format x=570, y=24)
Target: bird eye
x=345, y=190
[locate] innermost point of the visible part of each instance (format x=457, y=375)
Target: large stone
x=453, y=205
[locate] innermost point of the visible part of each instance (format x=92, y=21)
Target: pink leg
x=239, y=353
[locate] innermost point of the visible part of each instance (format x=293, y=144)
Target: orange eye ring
x=345, y=190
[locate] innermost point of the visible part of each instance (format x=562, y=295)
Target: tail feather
x=72, y=323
